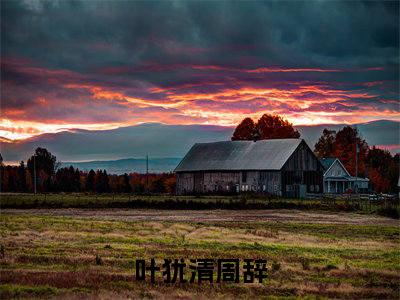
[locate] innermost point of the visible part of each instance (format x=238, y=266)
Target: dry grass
x=55, y=256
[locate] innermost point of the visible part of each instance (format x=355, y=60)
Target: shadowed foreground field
x=75, y=253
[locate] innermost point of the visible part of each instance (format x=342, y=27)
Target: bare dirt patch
x=277, y=215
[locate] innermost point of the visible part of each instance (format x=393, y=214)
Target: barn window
x=317, y=188
x=311, y=188
x=264, y=188
x=247, y=187
x=227, y=187
x=243, y=188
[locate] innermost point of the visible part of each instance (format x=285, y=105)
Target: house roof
x=239, y=155
x=327, y=162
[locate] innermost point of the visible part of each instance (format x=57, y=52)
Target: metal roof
x=327, y=162
x=238, y=155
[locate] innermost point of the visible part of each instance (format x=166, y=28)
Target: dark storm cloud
x=81, y=35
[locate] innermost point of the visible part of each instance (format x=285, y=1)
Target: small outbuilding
x=282, y=167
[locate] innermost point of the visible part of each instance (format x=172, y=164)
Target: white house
x=337, y=179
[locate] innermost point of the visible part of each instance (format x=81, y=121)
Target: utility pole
x=355, y=183
x=356, y=166
x=34, y=173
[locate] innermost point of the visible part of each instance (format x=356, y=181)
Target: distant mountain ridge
x=128, y=165
x=163, y=141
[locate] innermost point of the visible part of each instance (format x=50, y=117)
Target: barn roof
x=238, y=155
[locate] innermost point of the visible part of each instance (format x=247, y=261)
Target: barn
x=282, y=167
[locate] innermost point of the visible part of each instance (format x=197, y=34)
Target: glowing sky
x=101, y=65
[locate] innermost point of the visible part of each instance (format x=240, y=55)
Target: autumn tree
x=170, y=184
x=244, y=131
x=344, y=145
x=126, y=186
x=383, y=169
x=347, y=142
x=379, y=182
x=325, y=145
x=45, y=165
x=267, y=127
x=157, y=185
x=275, y=127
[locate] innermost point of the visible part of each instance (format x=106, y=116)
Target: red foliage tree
x=380, y=183
x=267, y=127
x=275, y=127
x=381, y=162
x=244, y=131
x=345, y=149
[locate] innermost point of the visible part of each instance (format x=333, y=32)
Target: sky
x=108, y=64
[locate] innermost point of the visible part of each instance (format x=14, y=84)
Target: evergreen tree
x=90, y=181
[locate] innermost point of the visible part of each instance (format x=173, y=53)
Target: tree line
x=51, y=178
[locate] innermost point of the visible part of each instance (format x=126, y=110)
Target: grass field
x=75, y=253
x=243, y=201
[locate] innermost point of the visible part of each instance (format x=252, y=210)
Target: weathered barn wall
x=184, y=183
x=221, y=181
x=270, y=182
x=245, y=181
x=302, y=173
